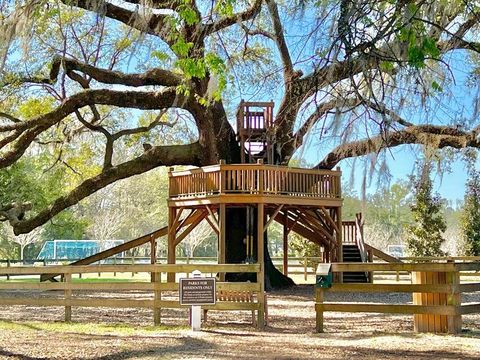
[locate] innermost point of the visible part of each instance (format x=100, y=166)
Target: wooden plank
x=473, y=266
x=388, y=309
x=272, y=217
x=469, y=287
x=232, y=305
x=212, y=216
x=387, y=288
x=172, y=234
x=470, y=308
x=238, y=198
x=196, y=219
x=230, y=286
x=341, y=267
x=107, y=286
x=114, y=303
x=180, y=268
x=213, y=225
x=329, y=219
x=176, y=221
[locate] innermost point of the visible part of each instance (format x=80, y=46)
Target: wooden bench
x=239, y=297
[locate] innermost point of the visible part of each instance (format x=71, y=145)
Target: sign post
x=197, y=291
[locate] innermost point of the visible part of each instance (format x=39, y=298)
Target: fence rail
x=436, y=294
x=305, y=265
x=72, y=290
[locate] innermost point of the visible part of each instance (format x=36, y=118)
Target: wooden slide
x=113, y=251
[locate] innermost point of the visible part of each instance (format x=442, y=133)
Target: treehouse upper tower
x=255, y=132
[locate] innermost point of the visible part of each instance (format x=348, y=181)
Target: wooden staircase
x=351, y=253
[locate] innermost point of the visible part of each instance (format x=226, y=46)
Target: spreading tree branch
x=155, y=157
x=428, y=135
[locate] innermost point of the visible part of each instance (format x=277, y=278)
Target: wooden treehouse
x=308, y=202
x=252, y=195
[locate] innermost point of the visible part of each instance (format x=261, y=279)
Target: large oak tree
x=375, y=74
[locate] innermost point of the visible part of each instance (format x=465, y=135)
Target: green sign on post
x=324, y=276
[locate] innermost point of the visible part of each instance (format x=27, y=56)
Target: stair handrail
x=359, y=237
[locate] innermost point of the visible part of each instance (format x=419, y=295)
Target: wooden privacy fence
x=72, y=296
x=436, y=294
x=254, y=179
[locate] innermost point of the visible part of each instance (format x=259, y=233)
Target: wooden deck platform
x=254, y=184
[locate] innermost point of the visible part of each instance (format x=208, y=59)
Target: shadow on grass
x=91, y=329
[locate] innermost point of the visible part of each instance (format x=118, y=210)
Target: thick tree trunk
x=236, y=249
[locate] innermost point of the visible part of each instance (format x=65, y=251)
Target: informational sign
x=197, y=291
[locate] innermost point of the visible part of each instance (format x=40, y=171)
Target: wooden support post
x=285, y=243
x=221, y=256
x=157, y=297
x=115, y=263
x=67, y=278
x=172, y=233
x=153, y=256
x=319, y=295
x=261, y=261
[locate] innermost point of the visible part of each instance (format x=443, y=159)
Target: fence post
x=157, y=297
x=67, y=278
x=319, y=292
x=8, y=265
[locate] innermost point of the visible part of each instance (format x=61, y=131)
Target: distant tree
x=307, y=249
x=24, y=239
x=424, y=236
x=470, y=218
x=197, y=237
x=387, y=215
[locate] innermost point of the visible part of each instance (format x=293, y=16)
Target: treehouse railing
x=256, y=179
x=349, y=232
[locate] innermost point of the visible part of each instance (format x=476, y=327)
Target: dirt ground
x=33, y=333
